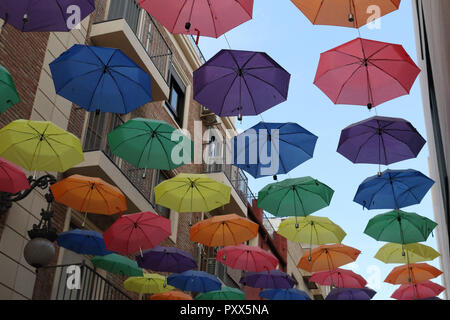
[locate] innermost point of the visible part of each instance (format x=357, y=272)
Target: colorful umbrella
x=133, y=233
x=8, y=91
x=147, y=284
x=284, y=294
x=101, y=79
x=83, y=242
x=171, y=295
x=225, y=230
x=339, y=278
x=40, y=146
x=166, y=259
x=248, y=258
x=12, y=178
x=146, y=143
x=380, y=140
x=416, y=291
x=117, y=264
x=226, y=293
x=192, y=193
x=393, y=189
x=45, y=15
x=237, y=83
x=408, y=253
x=287, y=144
x=274, y=279
x=366, y=73
x=328, y=257
x=197, y=281
x=412, y=273
x=351, y=294
x=209, y=19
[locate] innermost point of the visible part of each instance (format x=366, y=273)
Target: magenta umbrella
x=12, y=178
x=339, y=278
x=417, y=291
x=248, y=258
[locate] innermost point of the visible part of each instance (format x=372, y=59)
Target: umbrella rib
x=250, y=93
x=378, y=51
x=375, y=193
x=297, y=146
x=362, y=145
x=336, y=68
x=121, y=93
x=179, y=13
x=232, y=234
x=249, y=59
x=396, y=80
x=318, y=11
x=346, y=82
x=81, y=75
x=149, y=142
x=281, y=200
x=100, y=188
x=130, y=79
x=213, y=81
x=226, y=95
x=266, y=82
x=394, y=137
x=100, y=80
x=164, y=149
x=212, y=17
x=126, y=140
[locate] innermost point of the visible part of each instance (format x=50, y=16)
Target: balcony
x=124, y=25
x=208, y=263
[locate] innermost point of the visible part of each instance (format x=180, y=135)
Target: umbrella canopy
x=136, y=232
x=344, y=13
x=351, y=294
x=117, y=264
x=166, y=259
x=83, y=242
x=339, y=278
x=237, y=83
x=380, y=140
x=295, y=197
x=146, y=143
x=210, y=19
x=284, y=294
x=393, y=189
x=412, y=273
x=197, y=281
x=225, y=230
x=366, y=73
x=328, y=257
x=12, y=178
x=171, y=295
x=248, y=258
x=400, y=227
x=8, y=91
x=101, y=79
x=192, y=193
x=274, y=279
x=287, y=144
x=425, y=290
x=40, y=146
x=408, y=253
x=147, y=284
x=226, y=293
x=45, y=15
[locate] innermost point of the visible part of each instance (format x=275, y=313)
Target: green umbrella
x=295, y=197
x=8, y=92
x=226, y=293
x=118, y=264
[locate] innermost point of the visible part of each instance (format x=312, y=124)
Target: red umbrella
x=12, y=178
x=339, y=278
x=247, y=258
x=136, y=232
x=366, y=72
x=416, y=291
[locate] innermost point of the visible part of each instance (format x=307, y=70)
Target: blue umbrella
x=196, y=281
x=393, y=189
x=83, y=242
x=101, y=79
x=292, y=145
x=284, y=294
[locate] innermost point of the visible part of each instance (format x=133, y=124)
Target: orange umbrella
x=328, y=257
x=171, y=295
x=412, y=273
x=225, y=230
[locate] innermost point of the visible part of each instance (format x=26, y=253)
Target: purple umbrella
x=45, y=15
x=351, y=294
x=237, y=83
x=274, y=279
x=166, y=259
x=380, y=140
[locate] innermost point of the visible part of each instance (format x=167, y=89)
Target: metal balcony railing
x=208, y=263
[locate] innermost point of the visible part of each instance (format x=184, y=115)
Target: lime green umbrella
x=117, y=264
x=148, y=144
x=148, y=283
x=226, y=293
x=8, y=92
x=409, y=253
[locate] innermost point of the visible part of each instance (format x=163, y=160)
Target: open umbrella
x=8, y=91
x=248, y=258
x=273, y=279
x=351, y=294
x=416, y=291
x=328, y=257
x=339, y=278
x=408, y=253
x=101, y=79
x=117, y=264
x=83, y=242
x=287, y=144
x=147, y=284
x=237, y=83
x=197, y=281
x=284, y=294
x=366, y=73
x=412, y=273
x=226, y=293
x=166, y=259
x=171, y=295
x=12, y=178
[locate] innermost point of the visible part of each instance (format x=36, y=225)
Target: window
x=175, y=104
x=162, y=211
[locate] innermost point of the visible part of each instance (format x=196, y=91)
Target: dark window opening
x=162, y=211
x=175, y=104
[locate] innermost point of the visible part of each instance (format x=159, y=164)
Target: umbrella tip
x=309, y=258
x=370, y=106
x=275, y=177
x=351, y=18
x=379, y=174
x=187, y=26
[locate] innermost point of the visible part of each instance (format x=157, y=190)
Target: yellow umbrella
x=150, y=283
x=40, y=145
x=408, y=253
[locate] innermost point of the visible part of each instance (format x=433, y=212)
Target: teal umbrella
x=8, y=92
x=226, y=293
x=117, y=264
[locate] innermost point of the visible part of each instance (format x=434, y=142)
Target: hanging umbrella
x=8, y=91
x=237, y=83
x=226, y=293
x=328, y=257
x=288, y=143
x=101, y=79
x=225, y=230
x=408, y=253
x=83, y=242
x=40, y=145
x=351, y=294
x=248, y=258
x=366, y=73
x=416, y=291
x=171, y=295
x=117, y=264
x=45, y=15
x=12, y=178
x=344, y=13
x=209, y=19
x=192, y=193
x=273, y=279
x=197, y=281
x=412, y=273
x=146, y=143
x=147, y=284
x=380, y=140
x=133, y=233
x=284, y=294
x=339, y=278
x=393, y=189
x=166, y=259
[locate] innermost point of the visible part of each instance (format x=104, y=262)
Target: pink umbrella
x=12, y=178
x=247, y=258
x=416, y=291
x=339, y=278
